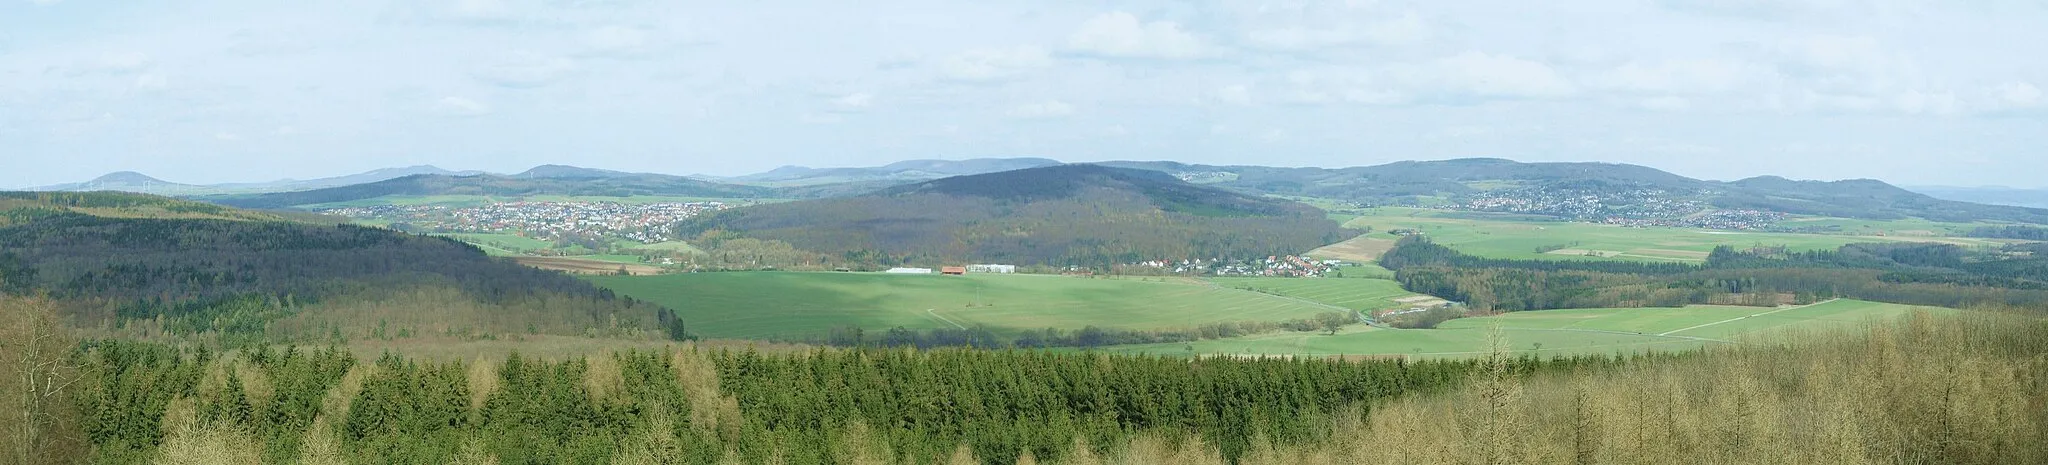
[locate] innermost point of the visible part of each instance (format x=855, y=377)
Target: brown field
x=586, y=266
x=1362, y=249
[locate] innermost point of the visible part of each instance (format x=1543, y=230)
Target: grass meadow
x=759, y=305
x=1558, y=332
x=1513, y=237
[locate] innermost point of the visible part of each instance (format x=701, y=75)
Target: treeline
x=147, y=403
x=2031, y=233
x=1917, y=274
x=1086, y=337
x=237, y=277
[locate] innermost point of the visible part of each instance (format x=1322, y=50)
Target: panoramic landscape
x=486, y=231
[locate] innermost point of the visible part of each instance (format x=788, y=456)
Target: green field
x=1351, y=293
x=791, y=304
x=675, y=246
x=1512, y=236
x=1559, y=332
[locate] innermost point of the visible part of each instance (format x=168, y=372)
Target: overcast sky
x=202, y=91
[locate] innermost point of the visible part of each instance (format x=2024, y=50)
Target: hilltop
x=544, y=180
x=893, y=173
x=1056, y=215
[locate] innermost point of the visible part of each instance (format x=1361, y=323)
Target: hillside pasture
x=791, y=305
x=1520, y=237
x=1355, y=294
x=1557, y=332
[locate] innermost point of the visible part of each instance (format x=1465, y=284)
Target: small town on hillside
x=649, y=223
x=1626, y=207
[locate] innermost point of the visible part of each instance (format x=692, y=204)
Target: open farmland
x=1513, y=237
x=1556, y=332
x=1351, y=293
x=790, y=305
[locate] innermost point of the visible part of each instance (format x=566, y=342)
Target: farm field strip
x=795, y=305
x=1555, y=332
x=1503, y=236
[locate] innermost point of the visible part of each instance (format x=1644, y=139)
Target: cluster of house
x=1277, y=265
x=1626, y=207
x=650, y=223
x=957, y=270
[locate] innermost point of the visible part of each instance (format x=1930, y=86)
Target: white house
x=1004, y=269
x=910, y=270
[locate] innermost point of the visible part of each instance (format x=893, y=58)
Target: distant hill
x=380, y=174
x=2034, y=198
x=1409, y=181
x=899, y=172
x=550, y=181
x=190, y=268
x=129, y=181
x=1056, y=215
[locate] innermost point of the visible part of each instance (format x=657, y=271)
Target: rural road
x=1786, y=309
x=934, y=314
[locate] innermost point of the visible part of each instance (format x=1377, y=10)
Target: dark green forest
x=287, y=405
x=1070, y=215
x=1909, y=273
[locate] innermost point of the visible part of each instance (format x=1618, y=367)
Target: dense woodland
x=1074, y=215
x=240, y=279
x=1910, y=273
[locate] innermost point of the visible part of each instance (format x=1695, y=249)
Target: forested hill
x=1405, y=181
x=1060, y=215
x=546, y=180
x=238, y=274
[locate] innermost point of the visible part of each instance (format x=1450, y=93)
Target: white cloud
x=1666, y=103
x=854, y=101
x=114, y=63
x=480, y=9
x=1122, y=35
x=1235, y=95
x=993, y=64
x=1479, y=74
x=458, y=106
x=151, y=81
x=1042, y=110
x=1684, y=76
x=2020, y=95
x=525, y=70
x=1406, y=29
x=615, y=40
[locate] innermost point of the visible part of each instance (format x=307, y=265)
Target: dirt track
x=586, y=266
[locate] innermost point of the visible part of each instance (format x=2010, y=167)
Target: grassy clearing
x=1355, y=294
x=759, y=305
x=1560, y=332
x=676, y=246
x=1511, y=236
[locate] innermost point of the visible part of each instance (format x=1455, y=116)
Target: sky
x=1950, y=92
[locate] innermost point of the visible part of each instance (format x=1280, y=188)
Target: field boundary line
x=1600, y=331
x=1787, y=309
x=935, y=314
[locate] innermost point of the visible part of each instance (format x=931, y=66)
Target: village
x=1641, y=208
x=647, y=223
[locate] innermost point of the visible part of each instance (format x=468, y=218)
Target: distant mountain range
x=1406, y=182
x=2035, y=198
x=129, y=181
